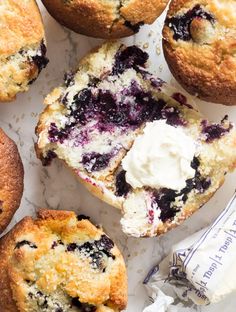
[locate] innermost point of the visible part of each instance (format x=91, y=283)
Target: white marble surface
x=56, y=188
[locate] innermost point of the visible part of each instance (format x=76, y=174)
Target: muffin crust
x=202, y=58
x=11, y=179
x=105, y=19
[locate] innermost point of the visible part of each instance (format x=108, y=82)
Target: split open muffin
x=134, y=141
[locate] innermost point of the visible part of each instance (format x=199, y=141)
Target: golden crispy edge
x=11, y=179
x=118, y=295
x=7, y=245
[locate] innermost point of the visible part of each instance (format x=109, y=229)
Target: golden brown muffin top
x=60, y=261
x=21, y=25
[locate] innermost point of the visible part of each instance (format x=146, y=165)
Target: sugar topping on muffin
x=60, y=262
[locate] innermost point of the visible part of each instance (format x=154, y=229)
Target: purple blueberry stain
x=180, y=24
x=213, y=132
x=173, y=117
x=58, y=135
x=157, y=83
x=181, y=99
x=95, y=161
x=130, y=57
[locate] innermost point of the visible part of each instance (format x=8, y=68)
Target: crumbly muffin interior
x=92, y=121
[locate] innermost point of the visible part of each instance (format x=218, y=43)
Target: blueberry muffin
x=60, y=263
x=11, y=179
x=199, y=41
x=135, y=142
x=22, y=46
x=105, y=19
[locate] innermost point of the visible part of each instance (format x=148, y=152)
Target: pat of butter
x=202, y=267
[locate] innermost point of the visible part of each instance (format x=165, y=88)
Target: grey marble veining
x=57, y=188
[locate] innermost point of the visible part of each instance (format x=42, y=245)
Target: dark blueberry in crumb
x=122, y=187
x=107, y=102
x=195, y=163
x=104, y=243
x=82, y=217
x=164, y=198
x=55, y=135
x=72, y=247
x=156, y=82
x=59, y=310
x=181, y=24
x=179, y=97
x=86, y=247
x=93, y=82
x=40, y=58
x=49, y=157
x=30, y=295
x=95, y=161
x=201, y=184
x=25, y=242
x=214, y=131
x=69, y=78
x=134, y=27
x=97, y=260
x=130, y=57
x=83, y=307
x=82, y=105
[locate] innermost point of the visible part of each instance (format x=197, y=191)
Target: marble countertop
x=55, y=186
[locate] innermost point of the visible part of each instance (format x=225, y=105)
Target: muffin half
x=135, y=142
